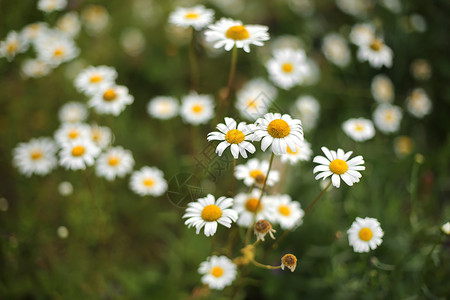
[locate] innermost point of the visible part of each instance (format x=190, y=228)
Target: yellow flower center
x=365, y=234
x=278, y=128
x=73, y=134
x=376, y=45
x=217, y=272
x=148, y=182
x=12, y=47
x=78, y=150
x=284, y=210
x=238, y=33
x=287, y=67
x=290, y=151
x=258, y=176
x=404, y=145
x=95, y=79
x=191, y=15
x=197, y=108
x=109, y=95
x=211, y=213
x=96, y=135
x=37, y=154
x=359, y=127
x=252, y=204
x=251, y=103
x=113, y=160
x=389, y=116
x=58, y=52
x=234, y=136
x=338, y=166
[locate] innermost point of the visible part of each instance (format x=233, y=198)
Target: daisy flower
x=365, y=234
x=359, y=129
x=247, y=204
x=78, y=154
x=377, y=53
x=51, y=5
x=35, y=68
x=420, y=69
x=255, y=171
x=148, y=181
x=307, y=108
x=72, y=112
x=71, y=132
x=446, y=228
x=92, y=79
x=336, y=50
x=111, y=100
x=337, y=165
x=229, y=33
x=65, y=188
x=207, y=212
x=279, y=132
x=382, y=89
x=101, y=136
x=12, y=45
x=362, y=34
x=115, y=162
x=56, y=48
x=69, y=24
x=218, y=272
x=303, y=152
x=35, y=157
x=95, y=18
x=288, y=67
x=197, y=17
x=32, y=31
x=163, y=107
x=197, y=109
x=418, y=103
x=387, y=118
x=132, y=41
x=233, y=135
x=255, y=98
x=287, y=212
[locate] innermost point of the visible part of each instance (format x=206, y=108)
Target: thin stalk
x=317, y=198
x=194, y=63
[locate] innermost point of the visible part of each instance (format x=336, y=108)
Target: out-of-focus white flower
x=287, y=212
x=357, y=8
x=72, y=112
x=132, y=41
x=51, y=5
x=79, y=154
x=302, y=153
x=55, y=48
x=69, y=24
x=35, y=68
x=377, y=53
x=148, y=181
x=95, y=18
x=100, y=136
x=197, y=109
x=382, y=89
x=247, y=205
x=92, y=79
x=255, y=98
x=197, y=16
x=163, y=107
x=418, y=103
x=65, y=188
x=35, y=157
x=336, y=50
x=387, y=118
x=359, y=129
x=421, y=69
x=111, y=100
x=362, y=34
x=307, y=109
x=12, y=45
x=288, y=68
x=254, y=173
x=115, y=162
x=418, y=23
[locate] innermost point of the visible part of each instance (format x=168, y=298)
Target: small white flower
x=279, y=132
x=359, y=129
x=95, y=18
x=78, y=154
x=111, y=100
x=387, y=118
x=207, y=212
x=35, y=68
x=336, y=50
x=197, y=17
x=303, y=153
x=247, y=204
x=287, y=212
x=12, y=45
x=163, y=107
x=365, y=234
x=418, y=103
x=255, y=171
x=197, y=109
x=148, y=181
x=307, y=109
x=100, y=136
x=362, y=34
x=255, y=98
x=92, y=79
x=65, y=188
x=35, y=157
x=338, y=166
x=71, y=132
x=72, y=112
x=357, y=8
x=229, y=33
x=218, y=272
x=288, y=67
x=382, y=89
x=446, y=228
x=55, y=48
x=34, y=30
x=236, y=136
x=115, y=162
x=51, y=5
x=377, y=53
x=69, y=24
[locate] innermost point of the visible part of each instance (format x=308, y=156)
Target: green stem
x=307, y=210
x=194, y=63
x=265, y=266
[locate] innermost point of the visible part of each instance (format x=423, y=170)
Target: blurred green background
x=122, y=246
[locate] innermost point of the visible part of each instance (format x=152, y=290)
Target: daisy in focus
x=148, y=181
x=236, y=136
x=207, y=212
x=218, y=272
x=115, y=162
x=197, y=109
x=382, y=89
x=197, y=17
x=163, y=107
x=72, y=112
x=71, y=132
x=337, y=165
x=101, y=136
x=387, y=118
x=336, y=50
x=359, y=129
x=229, y=33
x=288, y=67
x=365, y=234
x=418, y=103
x=35, y=157
x=254, y=173
x=377, y=53
x=111, y=100
x=247, y=204
x=92, y=79
x=12, y=45
x=279, y=132
x=51, y=5
x=78, y=154
x=303, y=153
x=287, y=212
